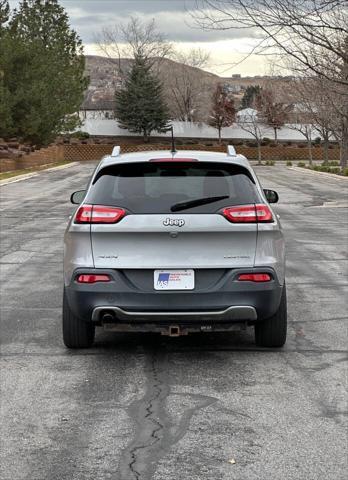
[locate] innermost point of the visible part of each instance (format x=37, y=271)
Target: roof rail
x=231, y=151
x=116, y=151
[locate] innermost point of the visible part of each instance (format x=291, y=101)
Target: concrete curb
x=26, y=176
x=314, y=172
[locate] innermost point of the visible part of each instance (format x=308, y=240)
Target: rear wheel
x=272, y=332
x=76, y=332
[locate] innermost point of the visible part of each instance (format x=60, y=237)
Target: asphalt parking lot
x=205, y=407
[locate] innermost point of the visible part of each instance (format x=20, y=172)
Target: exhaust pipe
x=107, y=317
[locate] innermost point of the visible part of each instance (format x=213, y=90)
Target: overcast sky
x=226, y=48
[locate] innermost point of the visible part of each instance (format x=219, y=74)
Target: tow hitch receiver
x=173, y=331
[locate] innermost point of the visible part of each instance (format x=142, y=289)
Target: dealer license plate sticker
x=174, y=279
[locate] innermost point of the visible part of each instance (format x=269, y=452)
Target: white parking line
x=314, y=172
x=26, y=176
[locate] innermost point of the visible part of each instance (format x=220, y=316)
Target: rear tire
x=272, y=331
x=76, y=332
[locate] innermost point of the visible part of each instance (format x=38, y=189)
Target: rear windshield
x=157, y=187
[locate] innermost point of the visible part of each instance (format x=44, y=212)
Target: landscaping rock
x=14, y=153
x=25, y=148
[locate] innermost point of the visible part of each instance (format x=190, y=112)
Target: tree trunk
x=275, y=135
x=145, y=137
x=259, y=155
x=344, y=141
x=326, y=151
x=219, y=130
x=310, y=153
x=344, y=144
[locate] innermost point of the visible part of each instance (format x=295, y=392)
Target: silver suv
x=174, y=242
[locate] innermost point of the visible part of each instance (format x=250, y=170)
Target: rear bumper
x=226, y=300
x=239, y=313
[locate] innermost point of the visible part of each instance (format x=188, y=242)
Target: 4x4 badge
x=174, y=222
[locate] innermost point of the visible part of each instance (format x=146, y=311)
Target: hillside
x=105, y=78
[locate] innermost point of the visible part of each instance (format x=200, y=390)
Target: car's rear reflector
x=248, y=214
x=99, y=214
x=92, y=278
x=254, y=277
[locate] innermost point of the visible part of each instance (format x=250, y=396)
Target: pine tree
x=249, y=96
x=5, y=97
x=43, y=71
x=223, y=111
x=4, y=13
x=140, y=107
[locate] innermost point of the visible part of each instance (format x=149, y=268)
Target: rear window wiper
x=195, y=203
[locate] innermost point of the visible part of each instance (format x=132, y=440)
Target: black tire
x=272, y=332
x=76, y=332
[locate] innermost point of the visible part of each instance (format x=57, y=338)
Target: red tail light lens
x=248, y=214
x=254, y=277
x=87, y=278
x=102, y=214
x=99, y=214
x=84, y=214
x=240, y=214
x=263, y=213
x=173, y=160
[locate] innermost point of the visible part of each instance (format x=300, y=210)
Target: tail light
x=254, y=277
x=263, y=213
x=248, y=214
x=99, y=214
x=89, y=278
x=174, y=160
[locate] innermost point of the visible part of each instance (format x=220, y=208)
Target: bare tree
x=319, y=114
x=306, y=30
x=313, y=33
x=186, y=89
x=249, y=122
x=135, y=39
x=307, y=130
x=223, y=112
x=272, y=111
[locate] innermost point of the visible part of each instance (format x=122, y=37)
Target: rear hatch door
x=164, y=226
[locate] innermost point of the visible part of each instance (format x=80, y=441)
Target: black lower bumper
x=224, y=299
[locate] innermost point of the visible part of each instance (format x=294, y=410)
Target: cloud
x=173, y=18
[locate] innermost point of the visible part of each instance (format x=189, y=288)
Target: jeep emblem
x=173, y=222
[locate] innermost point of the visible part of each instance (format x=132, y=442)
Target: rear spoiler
x=231, y=151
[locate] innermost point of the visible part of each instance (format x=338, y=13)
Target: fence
x=188, y=130
x=94, y=152
x=45, y=156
